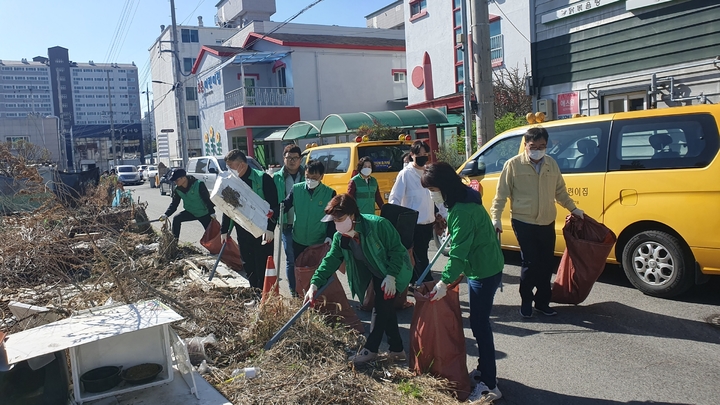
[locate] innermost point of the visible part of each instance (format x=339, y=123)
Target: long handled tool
x=295, y=317
x=222, y=249
x=145, y=223
x=420, y=279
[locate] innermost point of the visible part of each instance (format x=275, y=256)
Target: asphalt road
x=617, y=347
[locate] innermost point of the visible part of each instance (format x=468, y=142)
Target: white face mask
x=536, y=154
x=345, y=226
x=437, y=197
x=366, y=171
x=235, y=172
x=312, y=183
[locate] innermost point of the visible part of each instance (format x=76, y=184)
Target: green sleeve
x=330, y=263
x=397, y=254
x=462, y=236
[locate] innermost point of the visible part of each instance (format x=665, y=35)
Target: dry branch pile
x=70, y=261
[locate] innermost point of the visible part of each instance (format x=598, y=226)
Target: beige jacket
x=532, y=195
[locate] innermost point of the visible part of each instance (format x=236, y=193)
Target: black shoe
x=526, y=310
x=547, y=311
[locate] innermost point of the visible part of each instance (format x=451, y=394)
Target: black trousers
x=537, y=246
x=186, y=216
x=298, y=248
x=255, y=255
x=421, y=242
x=386, y=322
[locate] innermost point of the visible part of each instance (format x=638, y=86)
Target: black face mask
x=420, y=160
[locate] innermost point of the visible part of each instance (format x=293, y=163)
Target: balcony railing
x=259, y=96
x=496, y=48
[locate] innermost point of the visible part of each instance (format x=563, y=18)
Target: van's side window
x=201, y=165
x=211, y=166
x=681, y=141
x=494, y=157
x=580, y=148
x=387, y=158
x=336, y=160
x=191, y=166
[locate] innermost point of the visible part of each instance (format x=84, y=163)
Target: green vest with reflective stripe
x=256, y=176
x=309, y=210
x=365, y=194
x=192, y=202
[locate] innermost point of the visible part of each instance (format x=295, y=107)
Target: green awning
x=302, y=129
x=261, y=134
x=335, y=124
x=276, y=136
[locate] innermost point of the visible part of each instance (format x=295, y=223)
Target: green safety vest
x=308, y=230
x=256, y=176
x=192, y=201
x=365, y=194
x=279, y=180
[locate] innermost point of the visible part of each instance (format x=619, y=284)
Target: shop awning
x=276, y=136
x=335, y=124
x=302, y=129
x=262, y=134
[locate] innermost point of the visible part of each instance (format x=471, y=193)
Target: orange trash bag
x=437, y=339
x=211, y=241
x=333, y=302
x=588, y=244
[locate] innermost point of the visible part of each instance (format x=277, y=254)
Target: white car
x=128, y=174
x=150, y=173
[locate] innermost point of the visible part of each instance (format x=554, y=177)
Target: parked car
x=128, y=174
x=166, y=186
x=650, y=176
x=150, y=174
x=142, y=169
x=206, y=168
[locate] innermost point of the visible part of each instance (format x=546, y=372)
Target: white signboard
x=163, y=146
x=575, y=8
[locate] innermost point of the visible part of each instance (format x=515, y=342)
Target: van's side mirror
x=470, y=169
x=213, y=170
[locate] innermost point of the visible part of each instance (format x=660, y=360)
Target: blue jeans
x=482, y=295
x=289, y=256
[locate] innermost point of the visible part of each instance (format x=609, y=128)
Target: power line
x=192, y=12
x=511, y=23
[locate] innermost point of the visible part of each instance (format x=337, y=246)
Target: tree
x=510, y=97
x=16, y=160
x=379, y=132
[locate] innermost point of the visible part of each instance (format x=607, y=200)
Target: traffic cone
x=271, y=285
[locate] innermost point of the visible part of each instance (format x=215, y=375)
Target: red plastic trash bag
x=211, y=241
x=588, y=244
x=333, y=302
x=437, y=340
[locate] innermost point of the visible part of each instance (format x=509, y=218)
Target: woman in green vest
x=196, y=201
x=371, y=248
x=364, y=188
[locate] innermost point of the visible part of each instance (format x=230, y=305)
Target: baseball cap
x=177, y=174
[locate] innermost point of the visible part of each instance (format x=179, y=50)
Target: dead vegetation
x=69, y=260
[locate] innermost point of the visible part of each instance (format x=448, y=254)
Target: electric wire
x=511, y=23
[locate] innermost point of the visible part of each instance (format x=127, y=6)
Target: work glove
x=498, y=225
x=328, y=241
x=438, y=292
x=388, y=287
x=163, y=218
x=310, y=294
x=213, y=216
x=268, y=237
x=223, y=237
x=578, y=213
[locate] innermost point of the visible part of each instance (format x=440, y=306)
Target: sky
x=87, y=27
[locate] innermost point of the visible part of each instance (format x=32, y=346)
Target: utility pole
x=485, y=120
x=179, y=88
x=62, y=123
x=466, y=82
x=112, y=121
x=149, y=121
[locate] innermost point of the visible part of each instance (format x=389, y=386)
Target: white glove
x=388, y=286
x=498, y=225
x=223, y=237
x=213, y=216
x=268, y=236
x=328, y=241
x=578, y=213
x=163, y=218
x=310, y=294
x=438, y=292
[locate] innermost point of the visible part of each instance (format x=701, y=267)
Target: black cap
x=177, y=173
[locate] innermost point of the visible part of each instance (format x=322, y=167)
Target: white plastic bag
x=238, y=201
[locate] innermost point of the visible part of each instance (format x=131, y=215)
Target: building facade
x=390, y=17
x=596, y=57
x=166, y=112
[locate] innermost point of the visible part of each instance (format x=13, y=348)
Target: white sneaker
x=482, y=392
x=364, y=356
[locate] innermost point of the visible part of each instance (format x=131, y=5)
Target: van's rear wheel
x=658, y=264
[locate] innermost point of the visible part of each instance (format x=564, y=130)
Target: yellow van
x=341, y=159
x=652, y=176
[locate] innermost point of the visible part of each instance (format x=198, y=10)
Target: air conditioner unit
x=546, y=106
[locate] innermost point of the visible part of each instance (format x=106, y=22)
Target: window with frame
x=683, y=141
x=335, y=160
x=492, y=159
x=189, y=35
x=399, y=77
x=188, y=64
x=418, y=8
x=191, y=93
x=193, y=122
x=579, y=148
x=15, y=141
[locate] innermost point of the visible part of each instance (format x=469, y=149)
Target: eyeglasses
x=292, y=159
